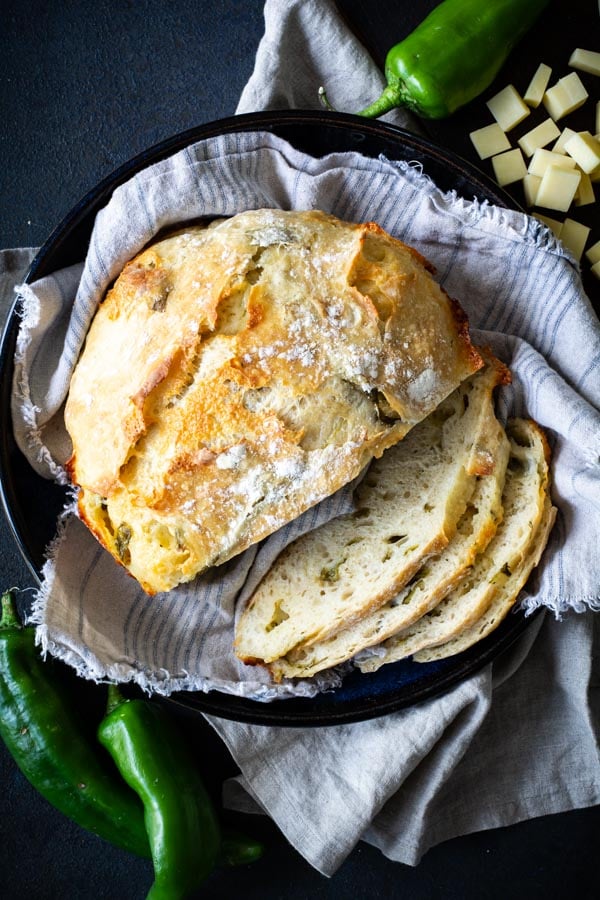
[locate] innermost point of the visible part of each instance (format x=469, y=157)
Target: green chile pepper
x=42, y=732
x=237, y=849
x=452, y=56
x=180, y=820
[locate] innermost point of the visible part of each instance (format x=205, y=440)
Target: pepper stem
x=390, y=98
x=115, y=698
x=9, y=617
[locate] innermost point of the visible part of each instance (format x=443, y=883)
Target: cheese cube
x=585, y=61
x=557, y=188
x=585, y=150
x=509, y=167
x=559, y=146
x=574, y=236
x=567, y=95
x=595, y=175
x=508, y=108
x=531, y=184
x=597, y=125
x=553, y=224
x=543, y=158
x=595, y=270
x=489, y=141
x=539, y=136
x=575, y=89
x=585, y=192
x=537, y=86
x=592, y=254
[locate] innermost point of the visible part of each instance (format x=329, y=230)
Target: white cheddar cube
x=585, y=192
x=531, y=184
x=585, y=61
x=559, y=146
x=489, y=141
x=567, y=95
x=543, y=158
x=595, y=175
x=575, y=89
x=553, y=224
x=508, y=108
x=597, y=124
x=557, y=188
x=509, y=167
x=556, y=100
x=574, y=236
x=585, y=150
x=592, y=254
x=537, y=86
x=539, y=136
x=595, y=270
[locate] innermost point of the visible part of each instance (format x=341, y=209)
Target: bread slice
x=524, y=499
x=237, y=374
x=408, y=507
x=431, y=583
x=504, y=600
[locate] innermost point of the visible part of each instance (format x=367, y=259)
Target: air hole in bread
x=279, y=616
x=232, y=313
x=396, y=538
x=387, y=414
x=373, y=249
x=254, y=275
x=103, y=514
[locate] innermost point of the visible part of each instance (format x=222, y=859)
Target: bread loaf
x=238, y=373
x=408, y=507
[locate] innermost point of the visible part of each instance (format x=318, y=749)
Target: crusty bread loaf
x=431, y=583
x=237, y=374
x=408, y=507
x=512, y=552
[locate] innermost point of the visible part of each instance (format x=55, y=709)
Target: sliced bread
x=504, y=600
x=432, y=582
x=408, y=507
x=524, y=500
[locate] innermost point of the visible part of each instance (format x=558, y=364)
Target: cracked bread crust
x=238, y=373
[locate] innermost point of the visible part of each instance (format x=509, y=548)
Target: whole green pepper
x=180, y=820
x=41, y=730
x=452, y=56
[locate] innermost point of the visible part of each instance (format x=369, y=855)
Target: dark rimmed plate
x=32, y=504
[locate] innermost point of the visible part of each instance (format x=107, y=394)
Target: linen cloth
x=523, y=291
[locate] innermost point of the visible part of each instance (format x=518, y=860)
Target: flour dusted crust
x=240, y=372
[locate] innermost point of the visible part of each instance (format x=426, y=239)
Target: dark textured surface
x=83, y=87
x=86, y=85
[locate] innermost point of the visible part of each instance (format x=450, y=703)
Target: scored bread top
x=240, y=372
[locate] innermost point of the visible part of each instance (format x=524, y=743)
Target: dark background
x=83, y=87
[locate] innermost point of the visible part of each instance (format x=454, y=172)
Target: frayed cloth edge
x=475, y=210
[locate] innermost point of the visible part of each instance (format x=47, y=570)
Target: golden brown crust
x=236, y=374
